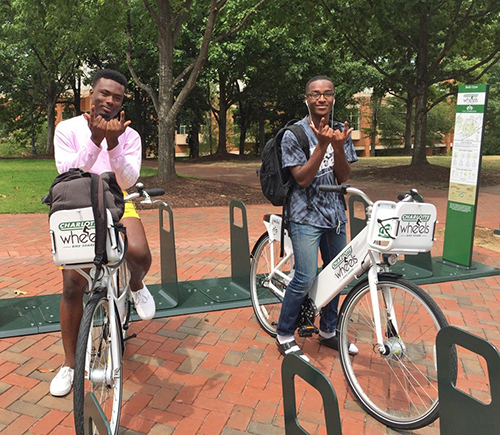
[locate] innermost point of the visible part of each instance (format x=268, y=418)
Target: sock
x=327, y=335
x=284, y=338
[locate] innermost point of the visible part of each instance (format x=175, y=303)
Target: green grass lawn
x=23, y=183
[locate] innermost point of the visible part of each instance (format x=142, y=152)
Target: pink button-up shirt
x=73, y=148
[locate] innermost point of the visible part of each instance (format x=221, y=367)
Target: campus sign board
x=464, y=174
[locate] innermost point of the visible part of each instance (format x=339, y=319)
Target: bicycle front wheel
x=269, y=277
x=96, y=370
x=399, y=387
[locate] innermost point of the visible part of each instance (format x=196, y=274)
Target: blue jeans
x=306, y=240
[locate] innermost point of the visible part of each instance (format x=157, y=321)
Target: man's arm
x=69, y=155
x=126, y=157
x=304, y=175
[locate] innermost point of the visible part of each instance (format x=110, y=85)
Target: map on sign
x=468, y=127
x=466, y=148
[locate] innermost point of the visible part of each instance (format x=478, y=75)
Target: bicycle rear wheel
x=95, y=368
x=267, y=292
x=400, y=389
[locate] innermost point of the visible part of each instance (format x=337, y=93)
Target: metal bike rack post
x=168, y=259
x=356, y=223
x=293, y=365
x=461, y=414
x=240, y=247
x=93, y=414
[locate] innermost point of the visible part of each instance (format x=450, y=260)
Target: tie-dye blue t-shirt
x=327, y=211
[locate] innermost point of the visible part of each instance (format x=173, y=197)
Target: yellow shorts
x=130, y=211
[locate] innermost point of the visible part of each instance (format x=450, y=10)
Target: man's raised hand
x=97, y=126
x=115, y=128
x=339, y=137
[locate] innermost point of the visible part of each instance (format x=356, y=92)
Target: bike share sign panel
x=402, y=227
x=464, y=174
x=73, y=237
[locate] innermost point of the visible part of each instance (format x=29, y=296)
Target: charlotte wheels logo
x=77, y=225
x=415, y=225
x=344, y=263
x=77, y=233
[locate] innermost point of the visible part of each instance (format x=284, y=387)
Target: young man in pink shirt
x=100, y=142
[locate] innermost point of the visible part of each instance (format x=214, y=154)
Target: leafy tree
x=47, y=39
x=491, y=144
x=421, y=43
x=170, y=18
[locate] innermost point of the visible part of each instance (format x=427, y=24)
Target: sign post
x=464, y=174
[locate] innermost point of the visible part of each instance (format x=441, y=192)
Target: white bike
x=102, y=334
x=393, y=322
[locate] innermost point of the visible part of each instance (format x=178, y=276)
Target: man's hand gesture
x=326, y=135
x=115, y=129
x=97, y=125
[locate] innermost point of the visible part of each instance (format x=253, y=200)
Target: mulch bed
x=193, y=192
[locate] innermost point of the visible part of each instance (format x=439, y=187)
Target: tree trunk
x=262, y=132
x=222, y=143
x=166, y=122
x=419, y=155
x=139, y=121
x=166, y=150
x=194, y=141
x=410, y=99
x=244, y=118
x=76, y=85
x=51, y=117
x=374, y=124
x=421, y=91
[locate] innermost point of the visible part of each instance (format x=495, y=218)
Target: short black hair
x=109, y=74
x=320, y=77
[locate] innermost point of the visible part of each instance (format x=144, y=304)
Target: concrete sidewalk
x=216, y=372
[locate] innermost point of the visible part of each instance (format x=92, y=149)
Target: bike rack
x=421, y=268
x=461, y=414
x=93, y=413
x=295, y=366
x=40, y=314
x=175, y=298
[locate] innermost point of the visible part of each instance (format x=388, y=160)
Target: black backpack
x=275, y=181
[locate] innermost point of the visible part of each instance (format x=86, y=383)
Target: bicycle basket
x=73, y=236
x=402, y=227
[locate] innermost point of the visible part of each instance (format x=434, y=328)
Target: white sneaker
x=62, y=383
x=144, y=303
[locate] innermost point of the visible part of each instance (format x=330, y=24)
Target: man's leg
x=332, y=243
x=139, y=261
x=305, y=241
x=138, y=254
x=70, y=313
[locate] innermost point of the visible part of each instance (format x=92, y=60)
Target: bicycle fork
x=392, y=326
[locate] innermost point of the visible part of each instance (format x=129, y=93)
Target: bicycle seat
x=267, y=217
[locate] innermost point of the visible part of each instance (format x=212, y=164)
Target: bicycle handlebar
x=344, y=189
x=155, y=191
x=146, y=194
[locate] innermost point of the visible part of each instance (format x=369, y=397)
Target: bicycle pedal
x=130, y=336
x=308, y=331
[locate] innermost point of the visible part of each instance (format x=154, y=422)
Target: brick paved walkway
x=216, y=372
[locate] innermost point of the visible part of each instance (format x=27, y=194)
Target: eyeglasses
x=327, y=94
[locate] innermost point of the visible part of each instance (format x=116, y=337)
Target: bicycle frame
x=108, y=279
x=364, y=252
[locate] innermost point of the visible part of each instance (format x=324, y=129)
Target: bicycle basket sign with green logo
x=403, y=227
x=77, y=225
